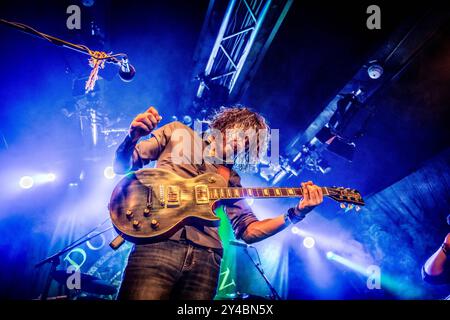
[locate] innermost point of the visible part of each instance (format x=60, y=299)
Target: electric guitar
x=152, y=204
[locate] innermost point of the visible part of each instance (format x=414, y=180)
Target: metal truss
x=240, y=26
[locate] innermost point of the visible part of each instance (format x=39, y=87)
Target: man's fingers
x=154, y=112
x=147, y=122
x=305, y=191
x=153, y=120
x=319, y=189
x=141, y=125
x=151, y=110
x=312, y=193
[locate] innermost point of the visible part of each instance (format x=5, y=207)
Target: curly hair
x=228, y=118
x=241, y=117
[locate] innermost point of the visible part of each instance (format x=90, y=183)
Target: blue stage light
x=26, y=182
x=295, y=230
x=109, y=173
x=309, y=242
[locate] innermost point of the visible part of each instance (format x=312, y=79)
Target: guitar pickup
x=162, y=200
x=173, y=196
x=201, y=194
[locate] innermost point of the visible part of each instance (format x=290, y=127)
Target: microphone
x=126, y=71
x=238, y=244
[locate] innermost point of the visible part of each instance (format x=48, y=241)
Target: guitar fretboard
x=216, y=193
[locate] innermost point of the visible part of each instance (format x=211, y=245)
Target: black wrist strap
x=292, y=217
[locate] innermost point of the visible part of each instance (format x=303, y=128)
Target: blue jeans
x=170, y=270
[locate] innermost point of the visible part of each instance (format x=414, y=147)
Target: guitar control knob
x=129, y=214
x=136, y=224
x=154, y=224
x=146, y=212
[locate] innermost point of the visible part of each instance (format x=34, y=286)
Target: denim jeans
x=170, y=270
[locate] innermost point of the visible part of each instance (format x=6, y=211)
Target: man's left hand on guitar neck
x=312, y=196
x=259, y=230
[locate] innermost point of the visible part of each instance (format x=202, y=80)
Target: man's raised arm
x=126, y=157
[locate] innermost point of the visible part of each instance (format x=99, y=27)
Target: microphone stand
x=274, y=293
x=55, y=260
x=59, y=42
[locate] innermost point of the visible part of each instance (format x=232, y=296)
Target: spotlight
x=250, y=201
x=26, y=182
x=295, y=230
x=375, y=71
x=187, y=120
x=109, y=173
x=43, y=178
x=330, y=255
x=309, y=242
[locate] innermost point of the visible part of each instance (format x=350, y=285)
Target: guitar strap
x=224, y=172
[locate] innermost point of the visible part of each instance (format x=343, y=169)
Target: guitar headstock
x=346, y=195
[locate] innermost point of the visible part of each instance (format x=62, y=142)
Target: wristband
x=290, y=217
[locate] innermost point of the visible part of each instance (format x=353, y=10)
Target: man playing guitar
x=187, y=264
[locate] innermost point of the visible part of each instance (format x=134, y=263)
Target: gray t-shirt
x=160, y=147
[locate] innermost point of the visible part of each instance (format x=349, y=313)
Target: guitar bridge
x=201, y=194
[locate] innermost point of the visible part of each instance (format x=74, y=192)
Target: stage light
x=250, y=201
x=309, y=242
x=109, y=173
x=375, y=71
x=44, y=178
x=88, y=3
x=346, y=262
x=295, y=230
x=26, y=182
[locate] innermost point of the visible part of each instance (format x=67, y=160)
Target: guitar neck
x=216, y=193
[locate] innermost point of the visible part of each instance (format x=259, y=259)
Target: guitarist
x=186, y=266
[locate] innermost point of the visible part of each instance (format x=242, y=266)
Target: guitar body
x=152, y=204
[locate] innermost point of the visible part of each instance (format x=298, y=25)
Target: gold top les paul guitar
x=151, y=204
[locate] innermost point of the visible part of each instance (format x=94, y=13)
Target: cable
x=80, y=47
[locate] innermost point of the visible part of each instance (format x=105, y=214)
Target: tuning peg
x=343, y=206
x=357, y=208
x=350, y=206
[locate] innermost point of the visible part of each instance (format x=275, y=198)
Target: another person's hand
x=312, y=196
x=447, y=240
x=144, y=123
